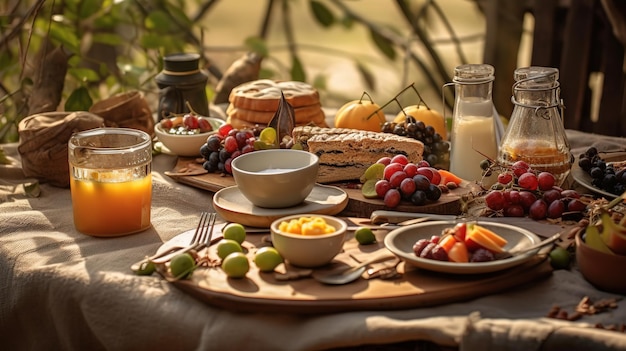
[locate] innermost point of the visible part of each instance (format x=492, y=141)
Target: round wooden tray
x=262, y=292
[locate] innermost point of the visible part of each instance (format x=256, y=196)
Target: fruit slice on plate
x=475, y=239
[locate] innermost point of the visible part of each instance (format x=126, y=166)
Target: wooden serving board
x=358, y=206
x=262, y=292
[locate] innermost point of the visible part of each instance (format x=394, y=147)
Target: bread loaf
x=345, y=154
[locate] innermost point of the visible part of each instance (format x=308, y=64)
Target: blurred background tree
x=68, y=54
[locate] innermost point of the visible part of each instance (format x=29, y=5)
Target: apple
x=460, y=229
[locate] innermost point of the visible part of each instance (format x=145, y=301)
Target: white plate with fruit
x=461, y=248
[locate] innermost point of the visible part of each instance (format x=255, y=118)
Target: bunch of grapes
x=436, y=150
x=520, y=191
x=604, y=176
x=222, y=147
x=404, y=180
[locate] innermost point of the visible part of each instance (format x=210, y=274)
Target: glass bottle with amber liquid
x=535, y=133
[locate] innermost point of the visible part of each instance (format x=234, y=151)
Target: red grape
x=551, y=195
x=224, y=129
x=400, y=158
x=397, y=178
x=204, y=125
x=190, y=121
x=526, y=199
x=392, y=198
x=512, y=196
x=230, y=144
x=572, y=194
x=407, y=187
x=505, y=178
x=419, y=246
x=538, y=210
x=410, y=169
x=556, y=209
x=519, y=168
x=545, y=181
x=495, y=200
x=384, y=160
x=514, y=210
x=391, y=169
x=575, y=205
x=423, y=163
x=528, y=181
x=382, y=187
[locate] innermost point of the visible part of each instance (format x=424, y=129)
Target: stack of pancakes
x=255, y=103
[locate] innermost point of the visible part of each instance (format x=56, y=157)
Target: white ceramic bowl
x=186, y=145
x=309, y=250
x=276, y=178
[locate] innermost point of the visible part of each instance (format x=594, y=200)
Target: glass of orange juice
x=110, y=181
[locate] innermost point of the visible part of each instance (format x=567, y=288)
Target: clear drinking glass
x=111, y=181
x=535, y=133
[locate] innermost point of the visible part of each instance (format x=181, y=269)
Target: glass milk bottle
x=473, y=136
x=535, y=133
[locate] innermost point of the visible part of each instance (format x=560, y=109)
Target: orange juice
x=103, y=208
x=111, y=181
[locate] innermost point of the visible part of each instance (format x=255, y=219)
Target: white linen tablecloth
x=60, y=289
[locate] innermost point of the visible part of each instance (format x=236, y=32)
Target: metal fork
x=202, y=237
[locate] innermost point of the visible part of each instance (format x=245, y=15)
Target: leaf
x=159, y=22
x=257, y=45
x=65, y=35
x=284, y=120
x=79, y=100
x=108, y=38
x=322, y=14
x=297, y=70
x=384, y=45
x=89, y=8
x=84, y=74
x=368, y=77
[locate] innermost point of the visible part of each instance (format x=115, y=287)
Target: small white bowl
x=276, y=178
x=186, y=145
x=309, y=251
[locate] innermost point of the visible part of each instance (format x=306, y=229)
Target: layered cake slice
x=346, y=153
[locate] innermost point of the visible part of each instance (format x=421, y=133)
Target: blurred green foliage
x=117, y=45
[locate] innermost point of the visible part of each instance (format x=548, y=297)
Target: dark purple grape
x=575, y=205
x=551, y=195
x=433, y=193
x=514, y=210
x=538, y=210
x=482, y=255
x=421, y=182
x=214, y=143
x=419, y=198
x=556, y=209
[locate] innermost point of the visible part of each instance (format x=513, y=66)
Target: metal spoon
x=352, y=273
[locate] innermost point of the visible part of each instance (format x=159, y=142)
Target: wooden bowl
x=604, y=271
